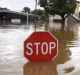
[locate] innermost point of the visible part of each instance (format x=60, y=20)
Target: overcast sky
x=17, y=5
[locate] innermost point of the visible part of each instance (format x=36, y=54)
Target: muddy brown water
x=12, y=61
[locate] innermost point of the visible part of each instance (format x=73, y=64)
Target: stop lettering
x=40, y=46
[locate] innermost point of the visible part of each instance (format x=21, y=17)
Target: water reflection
x=68, y=70
x=43, y=68
x=41, y=26
x=63, y=38
x=64, y=53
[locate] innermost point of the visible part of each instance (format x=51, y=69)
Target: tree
x=4, y=9
x=44, y=4
x=64, y=8
x=41, y=14
x=26, y=10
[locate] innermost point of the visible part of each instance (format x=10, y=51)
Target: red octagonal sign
x=40, y=46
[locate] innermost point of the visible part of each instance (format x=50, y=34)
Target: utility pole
x=35, y=9
x=35, y=12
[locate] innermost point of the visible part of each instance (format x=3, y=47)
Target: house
x=77, y=8
x=75, y=16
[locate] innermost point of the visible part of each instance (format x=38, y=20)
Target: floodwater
x=12, y=61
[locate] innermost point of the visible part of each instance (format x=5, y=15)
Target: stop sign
x=40, y=46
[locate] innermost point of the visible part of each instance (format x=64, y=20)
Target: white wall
x=77, y=9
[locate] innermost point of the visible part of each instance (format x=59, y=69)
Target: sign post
x=40, y=46
x=27, y=19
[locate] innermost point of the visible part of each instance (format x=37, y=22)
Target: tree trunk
x=63, y=23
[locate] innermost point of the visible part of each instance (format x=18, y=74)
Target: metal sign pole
x=27, y=20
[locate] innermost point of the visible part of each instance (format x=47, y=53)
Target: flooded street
x=13, y=62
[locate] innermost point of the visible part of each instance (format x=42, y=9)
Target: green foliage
x=63, y=7
x=26, y=10
x=59, y=7
x=41, y=13
x=43, y=3
x=4, y=9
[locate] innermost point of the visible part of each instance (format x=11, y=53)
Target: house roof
x=78, y=1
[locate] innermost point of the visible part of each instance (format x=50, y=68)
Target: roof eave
x=78, y=1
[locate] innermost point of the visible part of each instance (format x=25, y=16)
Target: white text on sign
x=45, y=47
